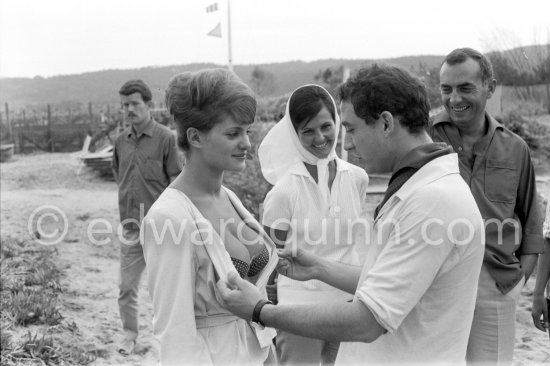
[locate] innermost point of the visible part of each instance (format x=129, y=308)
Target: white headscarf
x=281, y=148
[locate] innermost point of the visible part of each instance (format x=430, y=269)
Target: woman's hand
x=299, y=265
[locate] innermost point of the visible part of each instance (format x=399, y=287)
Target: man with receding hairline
x=497, y=166
x=145, y=161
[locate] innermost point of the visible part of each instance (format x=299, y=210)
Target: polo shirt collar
x=432, y=171
x=147, y=129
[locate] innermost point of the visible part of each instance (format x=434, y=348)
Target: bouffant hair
x=204, y=98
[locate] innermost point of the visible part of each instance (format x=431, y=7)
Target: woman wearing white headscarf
x=315, y=201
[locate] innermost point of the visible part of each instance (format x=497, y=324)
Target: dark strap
x=257, y=310
x=410, y=164
x=396, y=182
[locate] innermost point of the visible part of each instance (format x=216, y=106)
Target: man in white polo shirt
x=415, y=295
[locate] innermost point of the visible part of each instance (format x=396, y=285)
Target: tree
x=430, y=78
x=521, y=67
x=262, y=81
x=543, y=73
x=503, y=71
x=331, y=77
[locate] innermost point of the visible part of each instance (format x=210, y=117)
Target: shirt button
x=460, y=148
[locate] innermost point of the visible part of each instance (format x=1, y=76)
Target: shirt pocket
x=153, y=170
x=500, y=180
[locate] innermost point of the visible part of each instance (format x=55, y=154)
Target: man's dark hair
x=380, y=88
x=136, y=86
x=461, y=55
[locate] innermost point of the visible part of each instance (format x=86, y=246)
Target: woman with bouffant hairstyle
x=198, y=231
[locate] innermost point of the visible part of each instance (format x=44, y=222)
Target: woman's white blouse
x=337, y=232
x=185, y=258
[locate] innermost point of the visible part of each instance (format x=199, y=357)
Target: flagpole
x=230, y=56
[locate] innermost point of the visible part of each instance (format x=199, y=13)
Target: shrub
x=535, y=134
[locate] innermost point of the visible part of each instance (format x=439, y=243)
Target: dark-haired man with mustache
x=145, y=161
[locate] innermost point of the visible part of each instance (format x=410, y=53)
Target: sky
x=59, y=37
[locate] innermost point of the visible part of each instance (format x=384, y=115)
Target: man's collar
x=493, y=124
x=145, y=129
x=443, y=117
x=433, y=170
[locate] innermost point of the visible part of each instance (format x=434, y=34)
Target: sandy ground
x=91, y=263
x=89, y=299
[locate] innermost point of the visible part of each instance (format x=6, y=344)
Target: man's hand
x=540, y=312
x=239, y=296
x=302, y=267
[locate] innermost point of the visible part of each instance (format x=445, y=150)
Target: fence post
x=50, y=135
x=90, y=112
x=1, y=118
x=8, y=121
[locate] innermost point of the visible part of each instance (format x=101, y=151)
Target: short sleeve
x=278, y=208
x=408, y=264
x=527, y=207
x=169, y=256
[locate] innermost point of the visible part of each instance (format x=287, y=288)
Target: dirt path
x=89, y=299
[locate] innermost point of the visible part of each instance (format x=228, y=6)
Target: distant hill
x=101, y=87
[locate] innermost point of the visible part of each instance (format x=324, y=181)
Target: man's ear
x=491, y=86
x=150, y=104
x=194, y=137
x=388, y=122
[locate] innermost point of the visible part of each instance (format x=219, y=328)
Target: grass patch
x=43, y=350
x=29, y=289
x=30, y=306
x=45, y=274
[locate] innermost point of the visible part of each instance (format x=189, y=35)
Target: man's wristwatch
x=258, y=309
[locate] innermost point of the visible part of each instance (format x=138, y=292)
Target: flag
x=217, y=31
x=212, y=8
